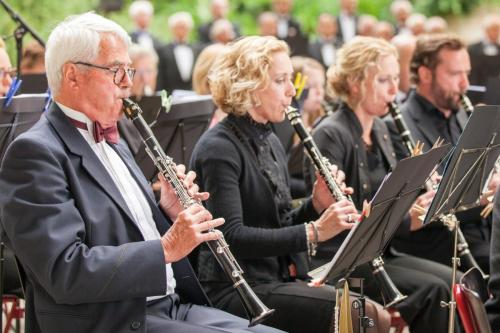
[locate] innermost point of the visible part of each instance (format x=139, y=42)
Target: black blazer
x=169, y=77
x=316, y=47
x=493, y=305
x=483, y=66
x=260, y=237
x=88, y=267
x=134, y=36
x=340, y=34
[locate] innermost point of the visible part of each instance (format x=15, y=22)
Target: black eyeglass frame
x=128, y=71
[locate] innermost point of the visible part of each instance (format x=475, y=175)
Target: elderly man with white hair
x=99, y=254
x=176, y=59
x=141, y=13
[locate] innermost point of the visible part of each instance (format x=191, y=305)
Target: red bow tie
x=109, y=134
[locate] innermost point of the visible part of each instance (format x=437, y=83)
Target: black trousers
x=425, y=283
x=300, y=308
x=169, y=315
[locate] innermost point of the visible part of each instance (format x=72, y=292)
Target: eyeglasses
x=8, y=71
x=119, y=72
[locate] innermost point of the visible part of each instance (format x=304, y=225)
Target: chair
x=11, y=291
x=470, y=295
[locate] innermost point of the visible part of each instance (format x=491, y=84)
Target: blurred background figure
x=416, y=24
x=367, y=25
x=436, y=25
x=145, y=61
x=268, y=24
x=6, y=70
x=176, y=59
x=347, y=21
x=324, y=48
x=201, y=70
x=287, y=25
x=219, y=9
x=311, y=109
x=384, y=30
x=485, y=54
x=141, y=13
x=222, y=31
x=401, y=10
x=33, y=59
x=405, y=45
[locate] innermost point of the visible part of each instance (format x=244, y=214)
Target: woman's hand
x=336, y=218
x=420, y=208
x=322, y=197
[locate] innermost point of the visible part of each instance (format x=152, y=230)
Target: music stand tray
x=368, y=239
x=177, y=130
x=22, y=113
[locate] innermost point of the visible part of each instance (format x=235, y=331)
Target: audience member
x=324, y=48
x=401, y=10
x=416, y=23
x=367, y=25
x=222, y=31
x=384, y=30
x=436, y=25
x=347, y=21
x=33, y=59
x=219, y=9
x=141, y=12
x=6, y=70
x=268, y=24
x=145, y=62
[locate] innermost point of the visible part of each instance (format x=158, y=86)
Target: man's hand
x=322, y=197
x=188, y=231
x=419, y=209
x=169, y=200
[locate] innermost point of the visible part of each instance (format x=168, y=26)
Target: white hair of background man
x=140, y=7
x=77, y=38
x=180, y=17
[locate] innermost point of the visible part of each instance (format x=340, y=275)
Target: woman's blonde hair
x=202, y=68
x=241, y=70
x=353, y=61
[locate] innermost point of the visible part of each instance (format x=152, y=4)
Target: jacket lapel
x=77, y=145
x=426, y=127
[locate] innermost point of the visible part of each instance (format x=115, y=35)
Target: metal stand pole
x=452, y=221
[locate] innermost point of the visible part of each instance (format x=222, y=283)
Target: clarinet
x=466, y=104
x=255, y=309
x=466, y=258
x=389, y=292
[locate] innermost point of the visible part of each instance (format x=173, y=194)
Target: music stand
x=369, y=238
x=177, y=130
x=33, y=84
x=22, y=113
x=464, y=177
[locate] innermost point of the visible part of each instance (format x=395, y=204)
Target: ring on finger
x=349, y=218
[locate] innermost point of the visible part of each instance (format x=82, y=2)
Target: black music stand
x=33, y=84
x=464, y=177
x=22, y=113
x=177, y=130
x=368, y=239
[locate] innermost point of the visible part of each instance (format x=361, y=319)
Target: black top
x=339, y=139
x=493, y=305
x=249, y=188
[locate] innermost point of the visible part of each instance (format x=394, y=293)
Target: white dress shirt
x=184, y=58
x=129, y=189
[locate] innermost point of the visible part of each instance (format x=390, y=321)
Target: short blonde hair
x=353, y=61
x=202, y=67
x=241, y=70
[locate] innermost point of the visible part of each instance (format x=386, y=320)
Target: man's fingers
x=211, y=224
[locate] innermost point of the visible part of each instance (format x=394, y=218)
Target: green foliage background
x=43, y=15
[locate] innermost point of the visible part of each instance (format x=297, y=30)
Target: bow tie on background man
x=109, y=134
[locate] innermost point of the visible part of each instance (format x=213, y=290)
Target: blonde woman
x=243, y=166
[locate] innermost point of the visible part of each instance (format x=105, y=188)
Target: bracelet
x=308, y=241
x=314, y=244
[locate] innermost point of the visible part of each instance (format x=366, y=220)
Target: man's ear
x=424, y=74
x=70, y=75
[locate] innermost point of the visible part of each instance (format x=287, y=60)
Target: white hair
x=140, y=7
x=179, y=17
x=138, y=51
x=77, y=38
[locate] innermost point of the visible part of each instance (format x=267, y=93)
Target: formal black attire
x=88, y=265
x=169, y=75
x=139, y=37
x=204, y=32
x=339, y=138
x=341, y=28
x=317, y=50
x=485, y=62
x=493, y=304
x=434, y=242
x=243, y=166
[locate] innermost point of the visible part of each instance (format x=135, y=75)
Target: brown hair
x=427, y=51
x=202, y=68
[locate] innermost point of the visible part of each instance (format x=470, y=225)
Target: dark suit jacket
x=483, y=66
x=169, y=77
x=88, y=267
x=340, y=34
x=134, y=35
x=316, y=47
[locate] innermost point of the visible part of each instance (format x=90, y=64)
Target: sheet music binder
x=368, y=239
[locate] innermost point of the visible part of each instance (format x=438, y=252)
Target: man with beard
x=439, y=70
